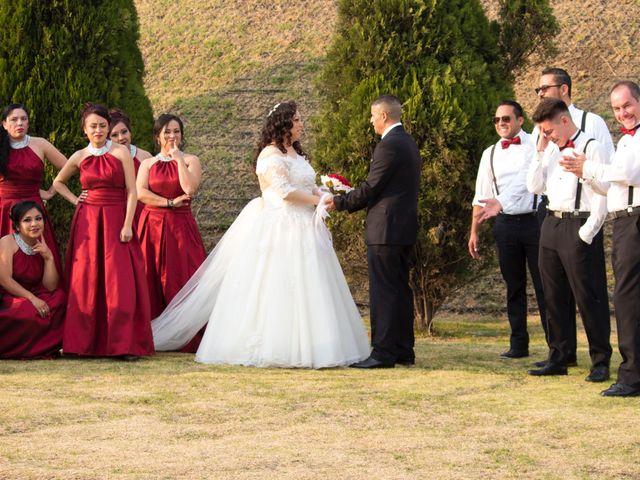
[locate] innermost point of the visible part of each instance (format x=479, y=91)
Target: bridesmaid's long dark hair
x=277, y=129
x=5, y=146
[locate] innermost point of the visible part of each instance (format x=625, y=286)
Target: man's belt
x=518, y=215
x=573, y=214
x=627, y=212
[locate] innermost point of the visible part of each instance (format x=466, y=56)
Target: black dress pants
x=517, y=240
x=391, y=302
x=542, y=214
x=626, y=297
x=567, y=264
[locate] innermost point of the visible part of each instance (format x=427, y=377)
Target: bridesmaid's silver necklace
x=21, y=144
x=163, y=158
x=96, y=152
x=22, y=245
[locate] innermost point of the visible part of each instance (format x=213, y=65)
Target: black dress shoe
x=599, y=373
x=406, y=362
x=549, y=369
x=621, y=390
x=542, y=363
x=513, y=353
x=371, y=363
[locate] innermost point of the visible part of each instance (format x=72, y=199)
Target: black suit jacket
x=390, y=192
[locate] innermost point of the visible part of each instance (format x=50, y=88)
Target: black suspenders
x=495, y=183
x=576, y=206
x=493, y=173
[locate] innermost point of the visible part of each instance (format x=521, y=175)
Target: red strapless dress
x=24, y=333
x=108, y=306
x=24, y=176
x=171, y=243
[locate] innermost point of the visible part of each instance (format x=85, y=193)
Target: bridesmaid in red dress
x=108, y=307
x=31, y=304
x=170, y=239
x=22, y=170
x=120, y=132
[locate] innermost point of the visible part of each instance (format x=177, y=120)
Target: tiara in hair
x=275, y=107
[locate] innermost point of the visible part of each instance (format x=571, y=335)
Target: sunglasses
x=544, y=88
x=504, y=118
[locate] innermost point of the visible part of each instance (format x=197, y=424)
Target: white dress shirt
x=614, y=179
x=545, y=174
x=510, y=166
x=595, y=127
x=388, y=129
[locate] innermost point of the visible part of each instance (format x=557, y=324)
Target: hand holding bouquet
x=335, y=184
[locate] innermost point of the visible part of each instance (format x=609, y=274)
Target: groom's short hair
x=390, y=105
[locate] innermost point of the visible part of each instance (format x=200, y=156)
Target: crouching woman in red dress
x=31, y=305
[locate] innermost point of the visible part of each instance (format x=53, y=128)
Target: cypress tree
x=446, y=63
x=59, y=54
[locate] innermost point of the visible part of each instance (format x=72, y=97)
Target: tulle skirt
x=273, y=294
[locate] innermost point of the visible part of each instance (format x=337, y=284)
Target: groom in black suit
x=390, y=195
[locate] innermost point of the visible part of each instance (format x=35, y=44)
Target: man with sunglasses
x=501, y=191
x=556, y=83
x=620, y=181
x=571, y=256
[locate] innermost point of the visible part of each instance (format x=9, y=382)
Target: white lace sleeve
x=275, y=172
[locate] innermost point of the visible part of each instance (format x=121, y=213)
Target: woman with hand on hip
x=31, y=302
x=169, y=236
x=108, y=306
x=120, y=132
x=22, y=160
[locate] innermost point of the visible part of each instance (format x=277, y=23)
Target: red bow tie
x=629, y=131
x=512, y=141
x=569, y=144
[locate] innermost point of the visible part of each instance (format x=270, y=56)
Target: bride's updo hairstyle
x=277, y=129
x=96, y=108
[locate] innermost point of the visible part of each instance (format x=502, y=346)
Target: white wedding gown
x=272, y=291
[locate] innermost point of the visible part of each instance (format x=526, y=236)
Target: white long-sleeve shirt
x=546, y=175
x=595, y=127
x=510, y=166
x=614, y=179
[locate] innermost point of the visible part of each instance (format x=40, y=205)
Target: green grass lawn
x=460, y=413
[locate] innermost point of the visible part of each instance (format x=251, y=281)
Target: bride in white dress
x=272, y=290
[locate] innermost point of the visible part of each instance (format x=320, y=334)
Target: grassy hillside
x=223, y=64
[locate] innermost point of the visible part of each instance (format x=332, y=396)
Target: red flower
x=341, y=179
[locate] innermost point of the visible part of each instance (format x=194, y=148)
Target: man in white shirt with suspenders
x=620, y=181
x=556, y=83
x=501, y=184
x=571, y=255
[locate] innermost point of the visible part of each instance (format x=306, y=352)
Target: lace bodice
x=281, y=174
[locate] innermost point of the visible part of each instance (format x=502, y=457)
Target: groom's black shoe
x=371, y=363
x=406, y=362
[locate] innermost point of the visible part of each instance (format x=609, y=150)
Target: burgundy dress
x=139, y=205
x=108, y=306
x=23, y=332
x=171, y=243
x=25, y=171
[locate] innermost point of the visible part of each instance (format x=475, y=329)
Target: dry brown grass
x=461, y=413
